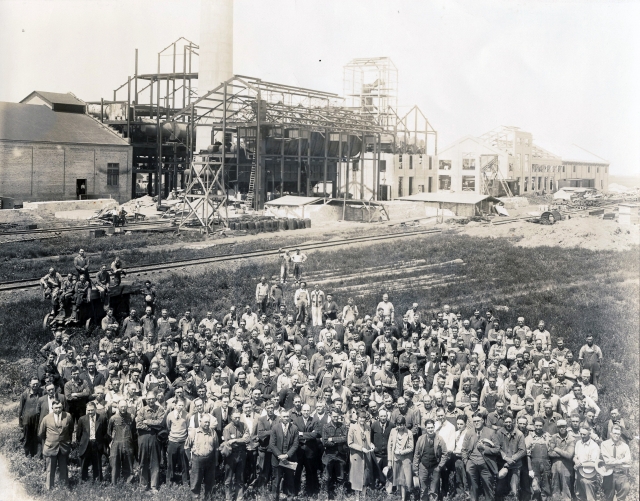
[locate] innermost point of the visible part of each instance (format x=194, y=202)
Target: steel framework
x=142, y=102
x=371, y=86
x=270, y=122
x=260, y=130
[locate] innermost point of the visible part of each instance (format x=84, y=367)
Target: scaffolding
x=491, y=179
x=205, y=198
x=141, y=104
x=371, y=87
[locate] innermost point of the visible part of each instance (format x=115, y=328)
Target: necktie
x=614, y=450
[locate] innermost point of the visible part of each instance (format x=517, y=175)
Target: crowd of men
x=322, y=397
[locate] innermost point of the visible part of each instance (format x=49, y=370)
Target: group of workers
x=320, y=398
x=75, y=289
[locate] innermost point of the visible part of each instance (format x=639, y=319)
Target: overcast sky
x=569, y=72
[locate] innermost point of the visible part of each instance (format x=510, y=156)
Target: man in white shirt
x=250, y=419
x=616, y=455
x=571, y=401
x=250, y=318
x=208, y=322
x=585, y=459
x=543, y=334
x=454, y=461
x=199, y=413
x=445, y=429
x=386, y=306
x=449, y=315
x=301, y=299
x=317, y=299
x=588, y=389
x=296, y=260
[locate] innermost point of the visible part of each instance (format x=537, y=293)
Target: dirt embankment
x=588, y=232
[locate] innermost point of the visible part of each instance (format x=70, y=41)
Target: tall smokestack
x=216, y=53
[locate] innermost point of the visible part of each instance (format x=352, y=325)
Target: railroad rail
x=81, y=227
x=33, y=283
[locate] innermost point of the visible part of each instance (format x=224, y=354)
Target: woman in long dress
x=400, y=455
x=360, y=447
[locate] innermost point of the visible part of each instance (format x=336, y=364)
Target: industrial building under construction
x=196, y=128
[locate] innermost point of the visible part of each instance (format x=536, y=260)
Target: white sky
x=569, y=72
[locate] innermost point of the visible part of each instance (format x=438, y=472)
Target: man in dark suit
x=222, y=415
x=480, y=451
x=92, y=377
x=55, y=431
x=309, y=434
x=283, y=444
x=28, y=417
x=265, y=424
x=380, y=431
x=91, y=436
x=45, y=406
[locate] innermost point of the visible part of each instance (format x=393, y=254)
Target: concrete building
x=401, y=174
x=583, y=169
x=50, y=149
x=507, y=161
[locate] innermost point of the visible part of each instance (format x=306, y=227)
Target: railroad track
x=63, y=229
x=34, y=283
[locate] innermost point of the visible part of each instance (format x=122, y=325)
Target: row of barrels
x=270, y=225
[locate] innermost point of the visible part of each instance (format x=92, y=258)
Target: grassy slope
x=535, y=283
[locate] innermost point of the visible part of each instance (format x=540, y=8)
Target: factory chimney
x=216, y=53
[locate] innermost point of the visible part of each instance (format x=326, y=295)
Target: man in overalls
x=537, y=445
x=590, y=357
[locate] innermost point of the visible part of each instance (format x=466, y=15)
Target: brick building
x=50, y=149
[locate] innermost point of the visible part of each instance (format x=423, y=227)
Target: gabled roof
x=40, y=124
x=464, y=197
x=478, y=140
x=293, y=201
x=54, y=98
x=575, y=153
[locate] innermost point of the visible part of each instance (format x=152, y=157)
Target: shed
x=321, y=210
x=290, y=206
x=465, y=204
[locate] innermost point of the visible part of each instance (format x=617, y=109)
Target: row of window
x=470, y=164
x=411, y=161
x=547, y=168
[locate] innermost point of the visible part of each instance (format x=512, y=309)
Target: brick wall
x=40, y=172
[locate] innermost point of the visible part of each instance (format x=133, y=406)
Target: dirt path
x=10, y=488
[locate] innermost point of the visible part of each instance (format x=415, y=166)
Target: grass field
x=33, y=259
x=575, y=291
